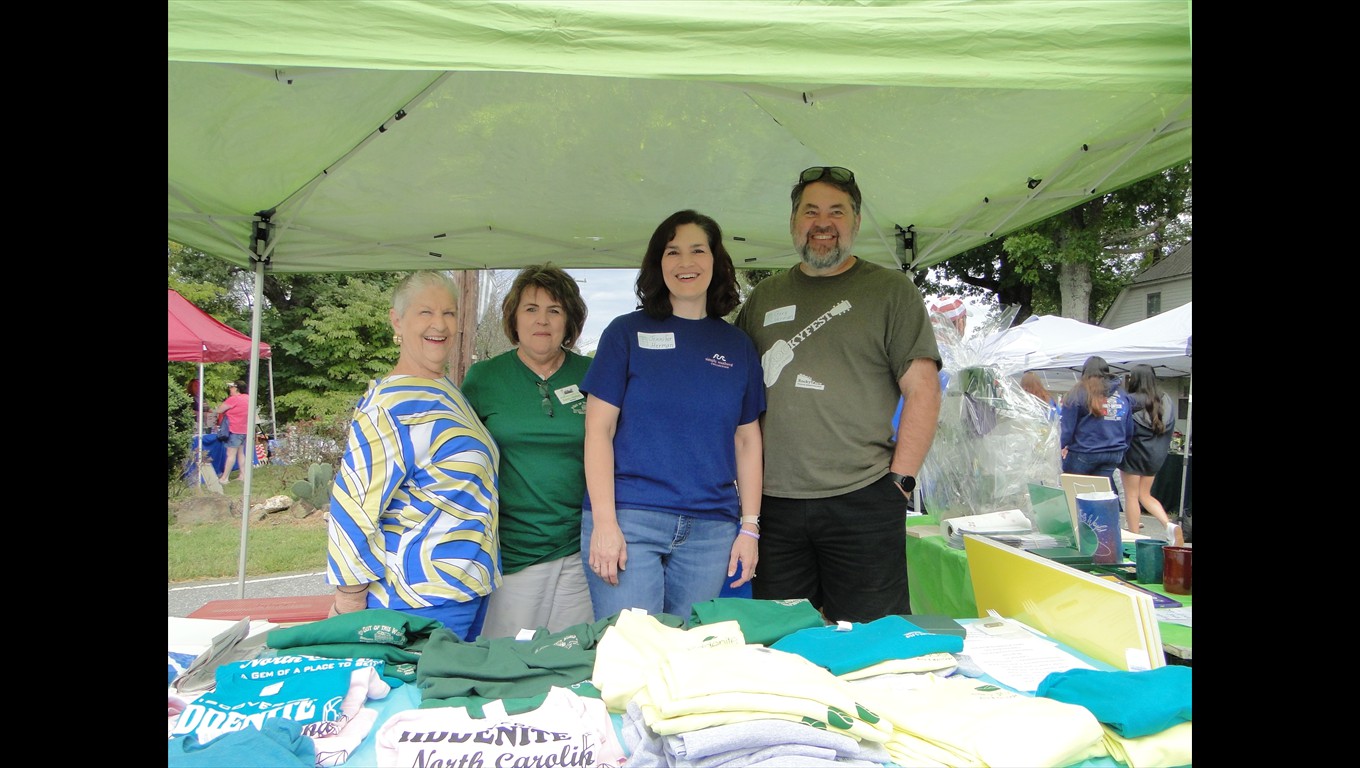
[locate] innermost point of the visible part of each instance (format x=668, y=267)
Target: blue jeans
x=1097, y=464
x=674, y=561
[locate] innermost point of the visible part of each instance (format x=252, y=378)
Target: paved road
x=185, y=598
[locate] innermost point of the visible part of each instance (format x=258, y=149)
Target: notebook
x=1053, y=515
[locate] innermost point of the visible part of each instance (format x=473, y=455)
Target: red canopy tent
x=198, y=337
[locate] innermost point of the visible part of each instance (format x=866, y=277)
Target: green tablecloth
x=939, y=583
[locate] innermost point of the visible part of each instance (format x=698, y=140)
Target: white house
x=1159, y=288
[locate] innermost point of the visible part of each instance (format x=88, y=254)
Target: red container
x=1177, y=570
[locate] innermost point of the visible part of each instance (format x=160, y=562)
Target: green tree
x=331, y=338
x=1076, y=262
x=329, y=333
x=180, y=426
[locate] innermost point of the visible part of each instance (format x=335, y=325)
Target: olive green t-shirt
x=833, y=349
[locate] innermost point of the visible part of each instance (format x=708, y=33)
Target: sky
x=608, y=293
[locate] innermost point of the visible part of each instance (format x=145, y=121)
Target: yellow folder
x=1103, y=620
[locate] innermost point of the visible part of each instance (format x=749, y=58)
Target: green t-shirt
x=834, y=348
x=542, y=472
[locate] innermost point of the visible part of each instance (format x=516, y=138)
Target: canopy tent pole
x=198, y=416
x=1189, y=422
x=247, y=470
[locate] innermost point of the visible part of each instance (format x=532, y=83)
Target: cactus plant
x=316, y=489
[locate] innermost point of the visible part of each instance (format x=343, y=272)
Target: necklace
x=562, y=358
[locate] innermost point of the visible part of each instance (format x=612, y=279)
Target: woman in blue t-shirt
x=673, y=451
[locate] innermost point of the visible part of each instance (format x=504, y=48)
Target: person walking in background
x=673, y=445
x=414, y=505
x=236, y=408
x=192, y=387
x=530, y=400
x=1031, y=383
x=1154, y=419
x=841, y=340
x=1095, y=422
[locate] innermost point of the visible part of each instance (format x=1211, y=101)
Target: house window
x=1154, y=304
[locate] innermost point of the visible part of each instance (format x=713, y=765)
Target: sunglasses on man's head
x=817, y=172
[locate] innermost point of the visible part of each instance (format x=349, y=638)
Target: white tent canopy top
x=1026, y=346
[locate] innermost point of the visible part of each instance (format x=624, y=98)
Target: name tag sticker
x=781, y=315
x=656, y=340
x=569, y=394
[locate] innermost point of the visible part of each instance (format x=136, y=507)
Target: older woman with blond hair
x=415, y=502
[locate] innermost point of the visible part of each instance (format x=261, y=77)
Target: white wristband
x=751, y=520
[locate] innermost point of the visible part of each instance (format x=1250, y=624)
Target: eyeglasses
x=547, y=401
x=817, y=172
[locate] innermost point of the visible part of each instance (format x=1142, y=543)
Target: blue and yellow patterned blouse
x=414, y=505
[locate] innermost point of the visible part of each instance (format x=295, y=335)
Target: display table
x=193, y=635
x=939, y=583
x=215, y=450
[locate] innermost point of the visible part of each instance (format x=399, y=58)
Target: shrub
x=316, y=441
x=181, y=428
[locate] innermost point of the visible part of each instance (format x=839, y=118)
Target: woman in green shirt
x=530, y=400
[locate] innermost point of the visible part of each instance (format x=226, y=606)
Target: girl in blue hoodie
x=1096, y=422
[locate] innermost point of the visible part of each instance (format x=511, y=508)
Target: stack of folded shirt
x=638, y=642
x=1146, y=715
x=395, y=637
x=564, y=729
x=745, y=743
x=891, y=644
x=325, y=697
x=457, y=673
x=969, y=723
x=761, y=621
x=708, y=686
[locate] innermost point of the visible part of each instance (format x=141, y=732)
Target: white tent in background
x=1161, y=341
x=1028, y=345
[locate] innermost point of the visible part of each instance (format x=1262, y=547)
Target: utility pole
x=460, y=356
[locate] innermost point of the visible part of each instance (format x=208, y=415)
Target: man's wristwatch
x=906, y=482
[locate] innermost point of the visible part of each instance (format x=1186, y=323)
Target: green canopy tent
x=357, y=135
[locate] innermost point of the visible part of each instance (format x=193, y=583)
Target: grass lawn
x=279, y=544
